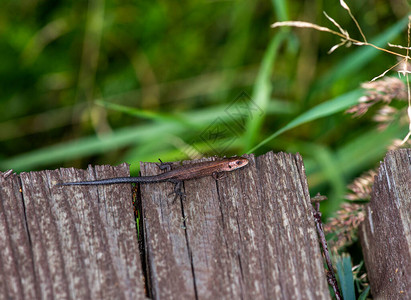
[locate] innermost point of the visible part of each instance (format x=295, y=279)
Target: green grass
x=345, y=276
x=138, y=82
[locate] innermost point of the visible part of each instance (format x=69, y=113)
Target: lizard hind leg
x=177, y=191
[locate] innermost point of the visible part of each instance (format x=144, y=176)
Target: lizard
x=216, y=169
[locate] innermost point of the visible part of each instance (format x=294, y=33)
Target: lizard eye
x=238, y=162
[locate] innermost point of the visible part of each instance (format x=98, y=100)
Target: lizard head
x=234, y=163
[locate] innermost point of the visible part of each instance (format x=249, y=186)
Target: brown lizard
x=216, y=169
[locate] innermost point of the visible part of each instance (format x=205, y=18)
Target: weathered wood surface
x=68, y=243
x=250, y=235
x=386, y=232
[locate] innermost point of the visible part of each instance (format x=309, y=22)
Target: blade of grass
x=83, y=147
x=147, y=114
x=345, y=276
x=364, y=294
x=238, y=37
x=280, y=9
x=262, y=89
x=192, y=118
x=370, y=145
x=322, y=110
x=134, y=135
x=357, y=154
x=326, y=159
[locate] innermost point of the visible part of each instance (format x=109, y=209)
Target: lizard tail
x=108, y=181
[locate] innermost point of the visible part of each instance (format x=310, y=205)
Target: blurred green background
x=102, y=82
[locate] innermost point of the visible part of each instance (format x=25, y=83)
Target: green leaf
x=322, y=110
x=262, y=89
x=325, y=159
x=147, y=114
x=367, y=148
x=155, y=136
x=345, y=276
x=280, y=9
x=364, y=294
x=83, y=147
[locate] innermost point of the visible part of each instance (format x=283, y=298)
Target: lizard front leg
x=219, y=175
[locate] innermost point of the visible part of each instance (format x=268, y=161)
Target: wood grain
x=68, y=243
x=385, y=233
x=250, y=235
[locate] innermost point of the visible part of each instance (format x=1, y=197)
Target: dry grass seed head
x=384, y=90
x=344, y=225
x=361, y=187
